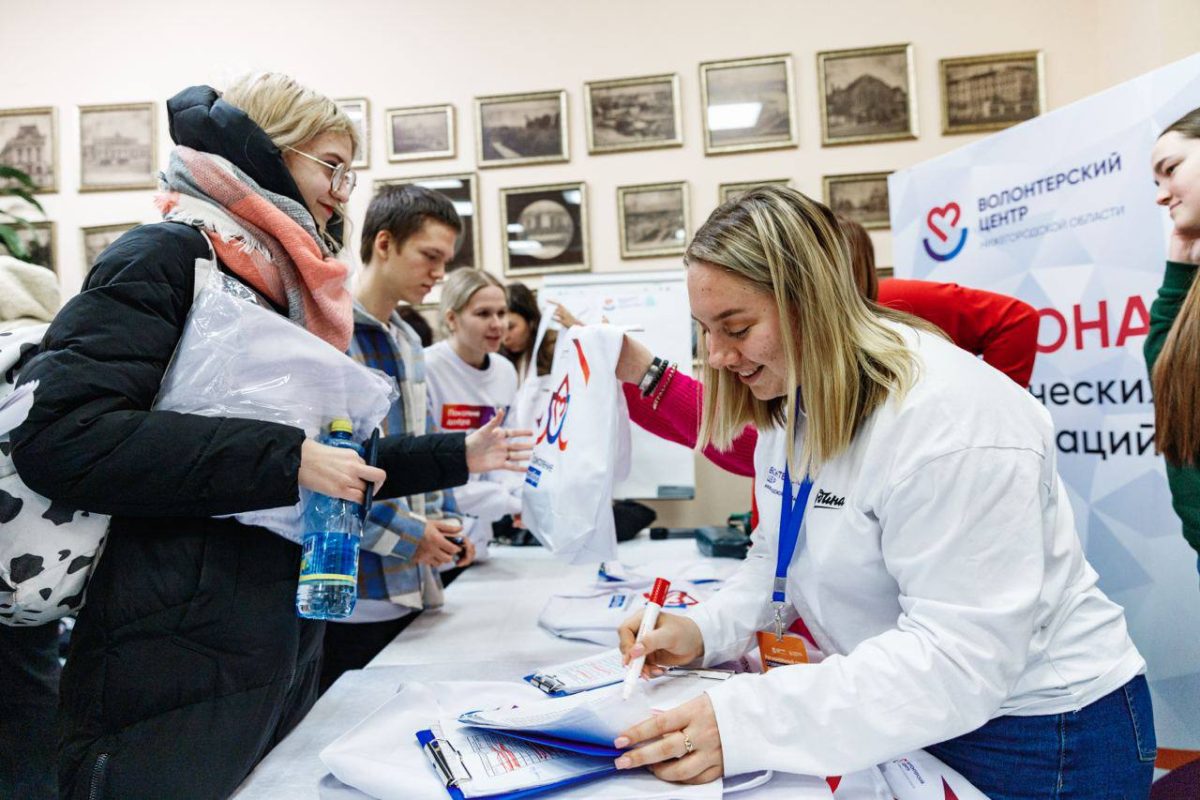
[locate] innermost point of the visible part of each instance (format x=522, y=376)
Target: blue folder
x=429, y=744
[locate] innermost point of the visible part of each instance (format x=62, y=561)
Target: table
x=492, y=609
x=487, y=630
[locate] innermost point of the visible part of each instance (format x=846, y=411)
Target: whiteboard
x=658, y=302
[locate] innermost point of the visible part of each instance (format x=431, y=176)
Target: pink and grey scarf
x=268, y=240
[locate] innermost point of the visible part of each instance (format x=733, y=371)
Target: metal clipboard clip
x=436, y=752
x=547, y=683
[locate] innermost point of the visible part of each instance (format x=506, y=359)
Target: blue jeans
x=1104, y=751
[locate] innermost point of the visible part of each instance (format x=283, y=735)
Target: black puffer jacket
x=188, y=662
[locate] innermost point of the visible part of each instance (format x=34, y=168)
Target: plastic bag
x=238, y=359
x=581, y=449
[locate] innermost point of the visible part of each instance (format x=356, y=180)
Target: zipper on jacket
x=99, y=772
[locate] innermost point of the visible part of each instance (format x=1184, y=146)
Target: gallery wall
x=66, y=54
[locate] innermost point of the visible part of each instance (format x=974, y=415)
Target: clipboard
x=452, y=772
x=581, y=675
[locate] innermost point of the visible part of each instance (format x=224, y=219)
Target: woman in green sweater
x=1173, y=346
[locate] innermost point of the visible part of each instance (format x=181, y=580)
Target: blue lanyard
x=791, y=516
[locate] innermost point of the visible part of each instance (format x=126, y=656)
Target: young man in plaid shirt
x=408, y=237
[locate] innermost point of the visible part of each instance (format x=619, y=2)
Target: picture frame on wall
x=421, y=132
x=990, y=93
x=462, y=190
x=867, y=94
x=117, y=147
x=861, y=197
x=512, y=129
x=748, y=104
x=633, y=114
x=653, y=219
x=40, y=242
x=97, y=237
x=728, y=191
x=29, y=142
x=545, y=229
x=358, y=109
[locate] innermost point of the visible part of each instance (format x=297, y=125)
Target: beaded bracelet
x=663, y=384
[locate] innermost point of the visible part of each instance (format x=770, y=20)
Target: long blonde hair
x=1176, y=376
x=790, y=247
x=460, y=286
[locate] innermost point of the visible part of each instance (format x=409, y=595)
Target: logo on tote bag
x=556, y=411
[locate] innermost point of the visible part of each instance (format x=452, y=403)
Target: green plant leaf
x=10, y=240
x=12, y=173
x=27, y=197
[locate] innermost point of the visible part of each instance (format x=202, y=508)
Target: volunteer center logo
x=943, y=223
x=560, y=402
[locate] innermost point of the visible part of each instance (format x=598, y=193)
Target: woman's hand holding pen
x=336, y=471
x=674, y=642
x=492, y=447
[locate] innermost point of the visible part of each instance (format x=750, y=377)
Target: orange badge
x=791, y=649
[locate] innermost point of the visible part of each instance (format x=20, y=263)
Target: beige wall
x=63, y=53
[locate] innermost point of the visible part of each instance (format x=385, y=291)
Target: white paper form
x=489, y=763
x=596, y=717
x=582, y=674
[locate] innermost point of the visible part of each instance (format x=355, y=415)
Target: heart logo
x=942, y=213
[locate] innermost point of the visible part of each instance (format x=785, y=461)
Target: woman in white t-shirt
x=931, y=551
x=469, y=384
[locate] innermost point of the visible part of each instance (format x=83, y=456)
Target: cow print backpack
x=47, y=551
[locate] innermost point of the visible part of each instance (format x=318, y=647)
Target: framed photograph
x=728, y=191
x=358, y=109
x=29, y=142
x=653, y=219
x=513, y=129
x=988, y=93
x=748, y=104
x=39, y=242
x=462, y=191
x=633, y=114
x=421, y=132
x=98, y=237
x=117, y=147
x=867, y=95
x=862, y=197
x=545, y=229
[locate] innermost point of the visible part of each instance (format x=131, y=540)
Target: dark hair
x=862, y=257
x=521, y=301
x=416, y=320
x=402, y=211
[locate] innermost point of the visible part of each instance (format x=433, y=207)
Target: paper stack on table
x=594, y=614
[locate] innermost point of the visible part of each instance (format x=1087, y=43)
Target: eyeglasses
x=343, y=179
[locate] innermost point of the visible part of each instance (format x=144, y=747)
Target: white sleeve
x=742, y=606
x=963, y=538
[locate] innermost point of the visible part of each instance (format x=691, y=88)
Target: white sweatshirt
x=464, y=398
x=942, y=571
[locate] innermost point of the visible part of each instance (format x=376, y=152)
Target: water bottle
x=329, y=566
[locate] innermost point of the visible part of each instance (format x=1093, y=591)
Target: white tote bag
x=581, y=448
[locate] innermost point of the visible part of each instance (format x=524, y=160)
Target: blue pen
x=372, y=454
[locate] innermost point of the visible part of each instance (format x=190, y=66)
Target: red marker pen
x=658, y=595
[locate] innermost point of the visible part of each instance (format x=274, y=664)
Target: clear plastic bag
x=239, y=359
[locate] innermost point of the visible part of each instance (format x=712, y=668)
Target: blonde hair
x=790, y=247
x=290, y=114
x=460, y=286
x=1176, y=374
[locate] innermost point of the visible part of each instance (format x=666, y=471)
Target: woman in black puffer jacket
x=189, y=662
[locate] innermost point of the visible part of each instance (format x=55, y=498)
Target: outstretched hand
x=492, y=447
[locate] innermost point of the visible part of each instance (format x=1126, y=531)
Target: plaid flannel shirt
x=391, y=533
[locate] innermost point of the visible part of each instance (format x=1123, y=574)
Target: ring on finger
x=688, y=747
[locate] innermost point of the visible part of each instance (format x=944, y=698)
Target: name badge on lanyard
x=791, y=517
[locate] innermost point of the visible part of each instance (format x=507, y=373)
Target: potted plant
x=15, y=183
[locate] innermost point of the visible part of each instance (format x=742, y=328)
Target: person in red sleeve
x=1001, y=330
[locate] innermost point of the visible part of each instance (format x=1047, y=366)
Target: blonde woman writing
x=912, y=516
